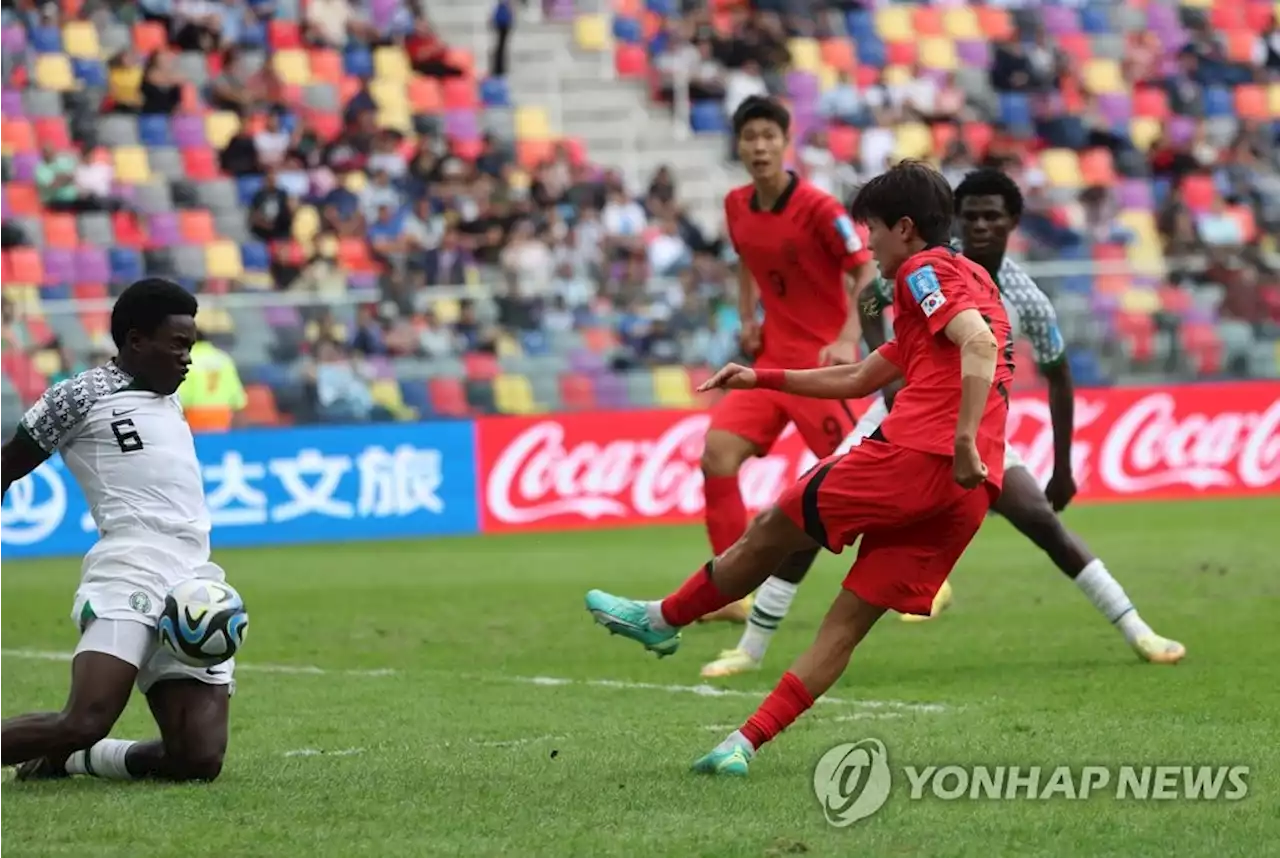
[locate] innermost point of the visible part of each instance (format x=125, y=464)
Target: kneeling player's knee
x=197, y=764
x=85, y=727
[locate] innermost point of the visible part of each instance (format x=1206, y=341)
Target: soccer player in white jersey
x=989, y=205
x=122, y=434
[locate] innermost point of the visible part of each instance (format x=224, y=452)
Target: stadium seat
x=577, y=393
x=513, y=394
x=448, y=397
x=260, y=406
x=60, y=231
x=671, y=387
x=893, y=24
x=80, y=40
x=53, y=72
x=591, y=33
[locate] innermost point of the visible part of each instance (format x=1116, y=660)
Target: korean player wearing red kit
x=797, y=252
x=896, y=489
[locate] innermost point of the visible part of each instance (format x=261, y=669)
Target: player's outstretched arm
x=978, y=348
x=850, y=381
x=19, y=456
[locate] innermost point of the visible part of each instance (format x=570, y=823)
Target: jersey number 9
x=126, y=435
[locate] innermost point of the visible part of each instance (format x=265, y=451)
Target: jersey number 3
x=126, y=435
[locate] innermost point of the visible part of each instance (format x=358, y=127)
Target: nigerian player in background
x=122, y=435
x=802, y=258
x=989, y=205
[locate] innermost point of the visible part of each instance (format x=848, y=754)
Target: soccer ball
x=203, y=622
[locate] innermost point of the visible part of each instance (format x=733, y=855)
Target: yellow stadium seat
x=1103, y=77
x=1138, y=221
x=386, y=392
x=519, y=180
x=222, y=260
x=506, y=346
x=447, y=310
x=1273, y=92
x=532, y=124
x=220, y=127
x=1145, y=131
x=913, y=140
x=828, y=77
x=53, y=72
x=306, y=223
x=938, y=52
x=293, y=66
x=24, y=296
x=391, y=63
x=80, y=39
x=47, y=362
x=894, y=24
x=1197, y=4
x=389, y=93
x=897, y=75
x=1140, y=301
x=260, y=280
x=214, y=320
x=1062, y=168
x=513, y=394
x=1145, y=254
x=806, y=55
x=131, y=165
x=396, y=118
x=355, y=181
x=961, y=23
x=591, y=33
x=671, y=387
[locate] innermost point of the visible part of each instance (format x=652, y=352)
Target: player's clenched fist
x=732, y=377
x=968, y=469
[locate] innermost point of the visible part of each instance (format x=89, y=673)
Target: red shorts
x=914, y=520
x=760, y=416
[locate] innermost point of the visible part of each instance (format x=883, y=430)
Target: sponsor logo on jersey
x=923, y=283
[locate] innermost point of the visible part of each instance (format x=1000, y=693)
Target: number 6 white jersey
x=130, y=451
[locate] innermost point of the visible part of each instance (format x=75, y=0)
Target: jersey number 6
x=126, y=436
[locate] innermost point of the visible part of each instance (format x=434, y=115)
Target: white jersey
x=130, y=451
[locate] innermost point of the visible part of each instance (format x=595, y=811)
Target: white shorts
x=123, y=583
x=136, y=643
x=875, y=415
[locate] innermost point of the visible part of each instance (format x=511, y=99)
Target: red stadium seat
x=843, y=142
x=1150, y=101
x=631, y=61
x=128, y=230
x=17, y=135
x=1138, y=332
x=1199, y=192
x=23, y=198
x=480, y=366
x=200, y=164
x=283, y=35
x=149, y=37
x=927, y=21
x=577, y=393
x=448, y=398
x=60, y=231
x=52, y=131
x=900, y=53
x=196, y=227
x=26, y=265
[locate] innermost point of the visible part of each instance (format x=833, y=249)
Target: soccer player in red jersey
x=803, y=259
x=916, y=491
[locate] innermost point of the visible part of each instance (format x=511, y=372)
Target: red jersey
x=931, y=288
x=797, y=252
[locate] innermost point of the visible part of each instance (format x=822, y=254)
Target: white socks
x=772, y=602
x=103, y=760
x=1106, y=594
x=657, y=622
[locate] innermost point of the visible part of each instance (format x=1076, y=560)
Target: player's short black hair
x=909, y=189
x=761, y=107
x=146, y=304
x=990, y=182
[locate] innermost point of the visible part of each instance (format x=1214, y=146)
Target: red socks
x=696, y=598
x=784, y=705
x=726, y=513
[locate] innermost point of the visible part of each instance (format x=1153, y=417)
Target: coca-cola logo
x=541, y=475
x=1149, y=447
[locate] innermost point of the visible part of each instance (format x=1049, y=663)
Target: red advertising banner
x=606, y=469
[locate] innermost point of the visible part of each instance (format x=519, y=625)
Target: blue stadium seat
x=254, y=256
x=871, y=51
x=1095, y=19
x=861, y=25
x=665, y=8
x=154, y=130
x=55, y=292
x=535, y=343
x=246, y=187
x=1015, y=109
x=90, y=73
x=126, y=265
x=254, y=34
x=495, y=92
x=358, y=62
x=414, y=394
x=45, y=40
x=1218, y=101
x=1085, y=369
x=707, y=117
x=628, y=30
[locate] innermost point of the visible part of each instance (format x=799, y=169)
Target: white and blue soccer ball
x=203, y=623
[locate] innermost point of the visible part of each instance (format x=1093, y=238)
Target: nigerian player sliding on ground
x=803, y=259
x=916, y=491
x=122, y=434
x=989, y=206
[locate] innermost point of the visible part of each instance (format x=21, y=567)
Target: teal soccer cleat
x=630, y=618
x=729, y=758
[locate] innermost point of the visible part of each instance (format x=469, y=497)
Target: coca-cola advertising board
x=606, y=469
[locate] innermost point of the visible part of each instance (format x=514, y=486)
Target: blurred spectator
x=242, y=91
x=1011, y=69
x=124, y=83
x=342, y=388
x=428, y=52
x=70, y=183
x=526, y=260
x=843, y=103
x=1100, y=211
x=501, y=22
x=161, y=84
x=271, y=211
x=331, y=23
x=197, y=24
x=742, y=83
x=272, y=141
x=212, y=395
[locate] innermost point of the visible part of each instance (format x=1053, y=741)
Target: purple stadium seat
x=384, y=12
x=59, y=266
x=163, y=229
x=362, y=282
x=611, y=390
x=562, y=10
x=971, y=52
x=803, y=86
x=380, y=367
x=1135, y=194
x=1057, y=19
x=282, y=317
x=1180, y=129
x=92, y=265
x=461, y=125
x=188, y=132
x=585, y=361
x=24, y=166
x=1115, y=107
x=13, y=39
x=4, y=202
x=11, y=104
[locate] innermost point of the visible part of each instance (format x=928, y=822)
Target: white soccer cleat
x=730, y=663
x=941, y=602
x=1154, y=649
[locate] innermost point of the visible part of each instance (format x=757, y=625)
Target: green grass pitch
x=452, y=697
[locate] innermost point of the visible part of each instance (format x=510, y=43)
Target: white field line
x=702, y=690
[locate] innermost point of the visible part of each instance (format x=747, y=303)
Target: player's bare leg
x=811, y=675
x=723, y=455
x=100, y=689
x=1025, y=506
x=770, y=539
